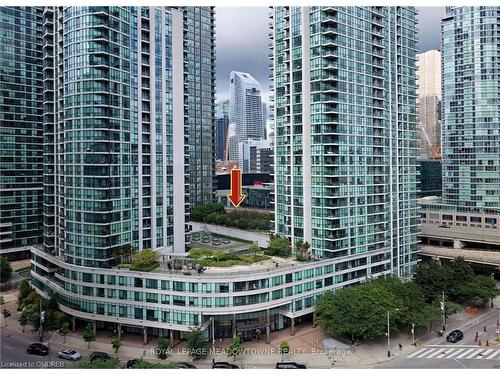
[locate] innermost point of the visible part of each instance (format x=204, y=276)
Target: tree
x=116, y=343
x=284, y=348
x=64, y=330
x=144, y=259
x=148, y=365
x=279, y=246
x=88, y=334
x=302, y=248
x=477, y=292
x=236, y=348
x=5, y=270
x=357, y=312
x=23, y=321
x=6, y=314
x=24, y=291
x=254, y=249
x=99, y=364
x=2, y=300
x=162, y=348
x=196, y=344
x=432, y=278
x=31, y=315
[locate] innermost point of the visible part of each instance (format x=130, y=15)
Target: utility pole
x=413, y=334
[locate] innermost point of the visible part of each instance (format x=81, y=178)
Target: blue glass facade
x=21, y=126
x=471, y=110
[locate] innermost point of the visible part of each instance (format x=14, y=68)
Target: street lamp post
x=444, y=314
x=389, y=334
x=413, y=334
x=50, y=342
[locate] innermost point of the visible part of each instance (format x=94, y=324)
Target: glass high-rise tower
x=345, y=132
x=471, y=110
x=113, y=117
x=21, y=127
x=199, y=43
x=245, y=111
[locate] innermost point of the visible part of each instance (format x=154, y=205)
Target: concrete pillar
x=293, y=327
x=268, y=327
x=234, y=325
x=73, y=324
x=145, y=332
x=94, y=326
x=171, y=337
x=119, y=331
x=314, y=319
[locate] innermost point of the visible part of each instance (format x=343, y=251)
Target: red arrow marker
x=236, y=196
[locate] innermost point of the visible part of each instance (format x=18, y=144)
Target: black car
x=455, y=336
x=287, y=365
x=37, y=348
x=223, y=365
x=132, y=362
x=99, y=355
x=185, y=365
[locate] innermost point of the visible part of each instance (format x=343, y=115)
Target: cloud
x=429, y=27
x=242, y=45
x=242, y=41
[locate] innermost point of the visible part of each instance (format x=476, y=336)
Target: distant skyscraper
x=199, y=43
x=21, y=127
x=222, y=123
x=346, y=133
x=471, y=110
x=245, y=109
x=429, y=102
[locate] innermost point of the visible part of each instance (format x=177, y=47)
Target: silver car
x=70, y=354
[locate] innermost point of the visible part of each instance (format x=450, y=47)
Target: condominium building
x=117, y=154
x=199, y=74
x=346, y=132
x=245, y=110
x=221, y=127
x=471, y=110
x=21, y=127
x=429, y=102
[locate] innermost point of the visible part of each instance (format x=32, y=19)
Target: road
x=13, y=355
x=438, y=353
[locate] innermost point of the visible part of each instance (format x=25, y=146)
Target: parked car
x=223, y=365
x=70, y=354
x=287, y=365
x=132, y=362
x=455, y=336
x=37, y=348
x=99, y=355
x=444, y=226
x=185, y=365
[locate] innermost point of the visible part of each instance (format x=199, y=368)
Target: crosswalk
x=448, y=351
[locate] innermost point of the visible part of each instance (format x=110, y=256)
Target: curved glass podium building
x=118, y=95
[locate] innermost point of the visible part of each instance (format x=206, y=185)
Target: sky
x=242, y=42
